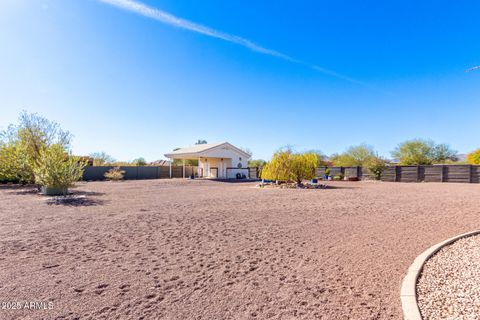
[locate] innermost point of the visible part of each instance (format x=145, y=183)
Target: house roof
x=199, y=150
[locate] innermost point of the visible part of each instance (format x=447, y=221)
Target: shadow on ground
x=74, y=201
x=19, y=189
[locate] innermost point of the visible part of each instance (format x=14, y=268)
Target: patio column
x=198, y=167
x=183, y=164
x=170, y=168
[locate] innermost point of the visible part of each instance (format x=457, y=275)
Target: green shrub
x=57, y=169
x=291, y=167
x=21, y=146
x=474, y=157
x=375, y=167
x=14, y=166
x=114, y=174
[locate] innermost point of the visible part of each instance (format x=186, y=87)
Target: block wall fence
x=92, y=173
x=432, y=173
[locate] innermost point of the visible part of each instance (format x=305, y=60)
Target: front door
x=213, y=172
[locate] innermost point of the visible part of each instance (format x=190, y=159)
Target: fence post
x=395, y=176
x=442, y=174
x=471, y=173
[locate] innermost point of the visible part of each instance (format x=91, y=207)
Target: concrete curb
x=408, y=292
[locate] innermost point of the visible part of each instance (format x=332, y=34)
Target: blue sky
x=134, y=86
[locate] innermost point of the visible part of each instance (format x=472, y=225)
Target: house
x=215, y=160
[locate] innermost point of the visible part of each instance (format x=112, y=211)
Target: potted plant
x=57, y=170
x=338, y=177
x=327, y=174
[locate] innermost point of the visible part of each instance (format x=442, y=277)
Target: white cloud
x=170, y=19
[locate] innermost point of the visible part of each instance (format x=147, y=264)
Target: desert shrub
x=474, y=157
x=375, y=167
x=14, y=166
x=291, y=167
x=56, y=168
x=22, y=146
x=114, y=174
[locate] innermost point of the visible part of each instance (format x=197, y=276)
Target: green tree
x=22, y=144
x=423, y=152
x=361, y=156
x=474, y=157
x=139, y=162
x=258, y=163
x=201, y=141
x=320, y=156
x=442, y=153
x=354, y=156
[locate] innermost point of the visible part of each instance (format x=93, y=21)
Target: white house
x=215, y=160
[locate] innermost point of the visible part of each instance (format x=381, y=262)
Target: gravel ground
x=449, y=286
x=180, y=249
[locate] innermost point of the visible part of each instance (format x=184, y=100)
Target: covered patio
x=215, y=160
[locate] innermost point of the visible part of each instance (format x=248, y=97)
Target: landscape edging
x=408, y=292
